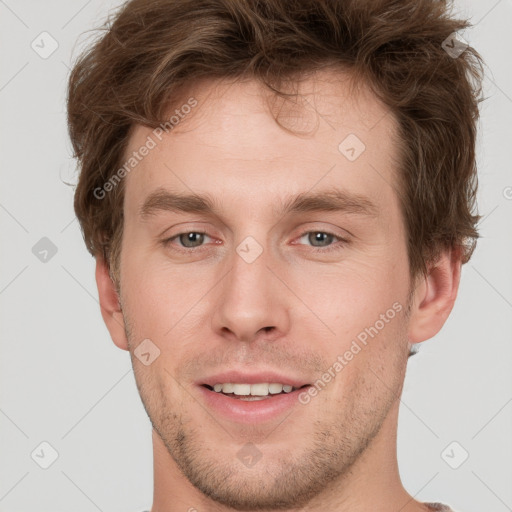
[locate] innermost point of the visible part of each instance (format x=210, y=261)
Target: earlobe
x=109, y=304
x=435, y=296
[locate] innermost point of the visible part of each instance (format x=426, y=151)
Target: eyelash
x=333, y=247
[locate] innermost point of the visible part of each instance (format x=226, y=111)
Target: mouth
x=246, y=398
x=253, y=392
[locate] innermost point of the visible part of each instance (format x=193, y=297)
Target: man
x=279, y=196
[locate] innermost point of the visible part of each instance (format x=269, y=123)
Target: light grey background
x=64, y=382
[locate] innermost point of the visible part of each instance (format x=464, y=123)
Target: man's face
x=268, y=295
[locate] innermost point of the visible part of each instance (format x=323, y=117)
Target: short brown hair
x=152, y=50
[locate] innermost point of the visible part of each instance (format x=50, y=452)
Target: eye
x=324, y=240
x=321, y=241
x=189, y=239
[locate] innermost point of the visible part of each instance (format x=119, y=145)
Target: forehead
x=230, y=144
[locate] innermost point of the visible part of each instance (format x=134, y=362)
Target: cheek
x=351, y=295
x=361, y=311
x=166, y=303
x=145, y=295
x=151, y=287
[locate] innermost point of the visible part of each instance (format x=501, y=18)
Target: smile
x=252, y=392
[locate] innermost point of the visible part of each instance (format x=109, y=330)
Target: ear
x=435, y=296
x=110, y=305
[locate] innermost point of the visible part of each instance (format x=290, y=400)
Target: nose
x=252, y=302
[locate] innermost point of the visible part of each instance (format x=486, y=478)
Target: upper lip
x=241, y=377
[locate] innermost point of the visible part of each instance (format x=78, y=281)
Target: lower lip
x=257, y=411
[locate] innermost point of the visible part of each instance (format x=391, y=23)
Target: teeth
x=275, y=388
x=242, y=389
x=228, y=388
x=260, y=389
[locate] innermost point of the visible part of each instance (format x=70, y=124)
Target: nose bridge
x=250, y=300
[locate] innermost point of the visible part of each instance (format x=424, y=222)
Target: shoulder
x=439, y=507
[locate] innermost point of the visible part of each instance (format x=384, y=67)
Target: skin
x=292, y=310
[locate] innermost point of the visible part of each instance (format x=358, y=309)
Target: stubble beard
x=288, y=479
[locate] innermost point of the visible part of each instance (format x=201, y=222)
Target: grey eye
x=191, y=239
x=319, y=238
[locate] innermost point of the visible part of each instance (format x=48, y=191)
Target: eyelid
x=341, y=241
x=168, y=240
x=322, y=227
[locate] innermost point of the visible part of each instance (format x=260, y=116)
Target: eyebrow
x=334, y=200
